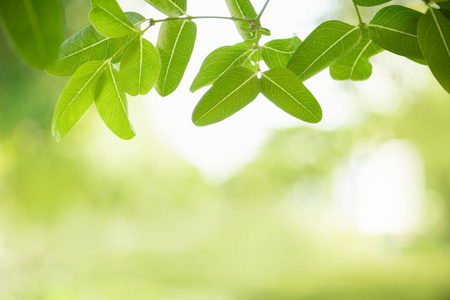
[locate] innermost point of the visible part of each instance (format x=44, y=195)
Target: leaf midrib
x=327, y=50
x=287, y=93
x=392, y=29
x=359, y=57
x=226, y=97
x=176, y=5
x=440, y=32
x=126, y=25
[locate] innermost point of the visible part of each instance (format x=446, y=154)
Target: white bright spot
x=381, y=189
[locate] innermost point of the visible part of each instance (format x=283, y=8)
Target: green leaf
x=112, y=105
x=139, y=67
x=394, y=28
x=370, y=2
x=35, y=27
x=230, y=93
x=277, y=53
x=175, y=45
x=217, y=63
x=77, y=97
x=445, y=8
x=325, y=45
x=109, y=20
x=86, y=45
x=286, y=91
x=265, y=31
x=434, y=40
x=242, y=9
x=172, y=8
x=355, y=65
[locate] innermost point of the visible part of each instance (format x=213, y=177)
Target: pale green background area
x=95, y=217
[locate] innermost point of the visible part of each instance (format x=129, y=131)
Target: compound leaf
x=139, y=67
x=109, y=20
x=217, y=63
x=172, y=8
x=35, y=27
x=112, y=105
x=77, y=97
x=242, y=9
x=355, y=65
x=325, y=45
x=394, y=28
x=175, y=45
x=286, y=91
x=434, y=40
x=86, y=45
x=277, y=53
x=230, y=93
x=370, y=2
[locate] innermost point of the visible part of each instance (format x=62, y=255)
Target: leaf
x=445, y=8
x=139, y=67
x=265, y=31
x=355, y=65
x=434, y=40
x=217, y=63
x=175, y=45
x=86, y=45
x=370, y=2
x=230, y=93
x=325, y=45
x=35, y=27
x=277, y=53
x=109, y=20
x=77, y=97
x=242, y=9
x=394, y=28
x=172, y=8
x=112, y=105
x=286, y=91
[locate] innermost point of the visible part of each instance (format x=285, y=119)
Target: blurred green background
x=94, y=217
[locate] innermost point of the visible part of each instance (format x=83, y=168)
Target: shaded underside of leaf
x=355, y=65
x=109, y=20
x=175, y=45
x=87, y=45
x=277, y=53
x=217, y=63
x=434, y=40
x=394, y=28
x=325, y=45
x=140, y=67
x=242, y=9
x=286, y=91
x=370, y=2
x=77, y=97
x=172, y=8
x=112, y=105
x=35, y=27
x=230, y=93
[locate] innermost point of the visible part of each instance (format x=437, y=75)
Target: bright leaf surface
x=77, y=97
x=434, y=40
x=109, y=19
x=112, y=105
x=35, y=27
x=370, y=2
x=172, y=8
x=277, y=53
x=139, y=67
x=230, y=93
x=86, y=45
x=286, y=91
x=175, y=45
x=394, y=28
x=355, y=65
x=217, y=63
x=242, y=9
x=325, y=45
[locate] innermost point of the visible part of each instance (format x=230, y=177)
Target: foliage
x=111, y=58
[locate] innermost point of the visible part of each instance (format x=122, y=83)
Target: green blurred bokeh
x=80, y=223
